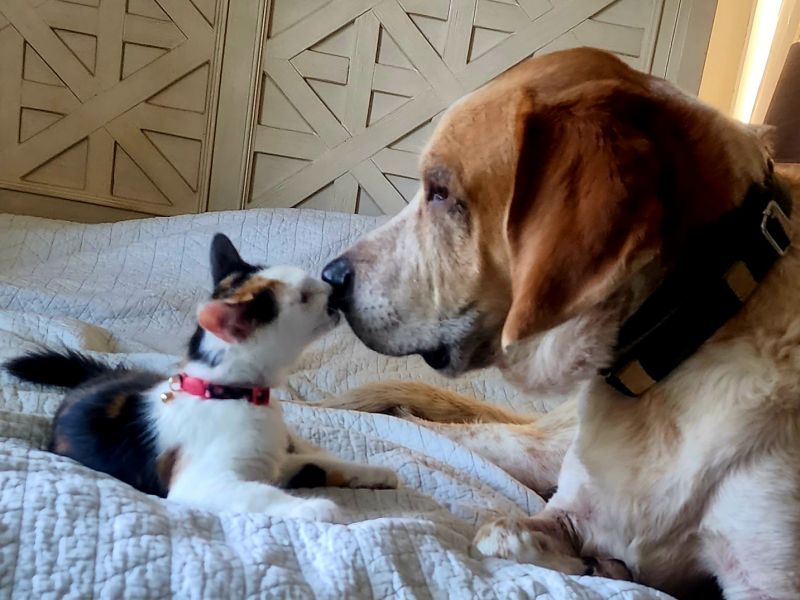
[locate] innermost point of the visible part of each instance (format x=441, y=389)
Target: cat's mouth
x=326, y=325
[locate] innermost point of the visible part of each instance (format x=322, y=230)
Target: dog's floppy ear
x=225, y=259
x=584, y=210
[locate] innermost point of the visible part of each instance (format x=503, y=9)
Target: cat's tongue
x=226, y=321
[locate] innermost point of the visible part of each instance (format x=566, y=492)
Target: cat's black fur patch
x=225, y=261
x=308, y=476
x=195, y=350
x=120, y=444
x=102, y=423
x=263, y=308
x=64, y=369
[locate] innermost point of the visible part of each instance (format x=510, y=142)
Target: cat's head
x=257, y=317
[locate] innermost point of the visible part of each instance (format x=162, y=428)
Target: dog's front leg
x=548, y=539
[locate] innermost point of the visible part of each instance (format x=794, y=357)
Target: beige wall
x=726, y=53
x=786, y=33
x=727, y=48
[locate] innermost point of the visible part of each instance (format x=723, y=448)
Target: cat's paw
x=375, y=478
x=316, y=509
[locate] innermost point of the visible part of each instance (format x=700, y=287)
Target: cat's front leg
x=226, y=492
x=318, y=470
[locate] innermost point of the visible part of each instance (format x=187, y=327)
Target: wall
x=787, y=32
x=726, y=53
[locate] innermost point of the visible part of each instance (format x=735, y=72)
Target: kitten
x=211, y=436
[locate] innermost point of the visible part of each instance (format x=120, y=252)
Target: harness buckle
x=773, y=211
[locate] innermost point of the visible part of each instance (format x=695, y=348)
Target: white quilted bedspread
x=127, y=292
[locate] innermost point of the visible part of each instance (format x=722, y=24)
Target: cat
x=210, y=436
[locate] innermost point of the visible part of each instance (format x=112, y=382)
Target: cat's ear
x=234, y=318
x=225, y=259
x=225, y=321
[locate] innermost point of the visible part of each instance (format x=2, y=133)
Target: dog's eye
x=437, y=194
x=305, y=297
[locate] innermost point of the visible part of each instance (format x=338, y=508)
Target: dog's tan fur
x=428, y=402
x=553, y=202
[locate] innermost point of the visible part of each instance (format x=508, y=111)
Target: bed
x=126, y=292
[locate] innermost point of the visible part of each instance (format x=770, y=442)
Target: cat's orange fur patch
x=61, y=445
x=335, y=479
x=168, y=465
x=116, y=405
x=251, y=288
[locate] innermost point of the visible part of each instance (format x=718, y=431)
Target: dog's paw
x=507, y=538
x=375, y=478
x=528, y=541
x=316, y=509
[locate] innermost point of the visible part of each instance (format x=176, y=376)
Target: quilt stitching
x=114, y=290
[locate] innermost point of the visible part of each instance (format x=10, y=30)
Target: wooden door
x=348, y=91
x=107, y=106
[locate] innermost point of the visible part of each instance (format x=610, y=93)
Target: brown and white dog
x=554, y=201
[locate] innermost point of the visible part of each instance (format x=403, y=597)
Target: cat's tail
x=49, y=367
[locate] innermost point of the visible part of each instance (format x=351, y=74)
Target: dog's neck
x=558, y=360
x=713, y=278
x=774, y=305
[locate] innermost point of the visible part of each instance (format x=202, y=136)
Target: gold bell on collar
x=174, y=385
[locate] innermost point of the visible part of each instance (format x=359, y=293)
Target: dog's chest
x=651, y=532
x=643, y=473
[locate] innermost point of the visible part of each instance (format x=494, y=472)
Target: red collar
x=213, y=391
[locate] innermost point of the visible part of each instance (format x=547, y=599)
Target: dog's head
x=551, y=200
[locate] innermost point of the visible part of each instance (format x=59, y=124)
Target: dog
x=603, y=237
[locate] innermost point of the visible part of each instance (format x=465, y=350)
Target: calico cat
x=210, y=436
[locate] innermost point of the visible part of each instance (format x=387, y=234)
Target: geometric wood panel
x=109, y=101
x=351, y=88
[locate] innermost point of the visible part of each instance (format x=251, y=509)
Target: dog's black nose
x=339, y=275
